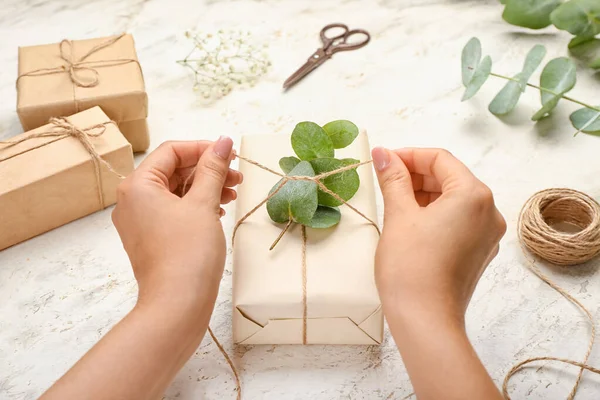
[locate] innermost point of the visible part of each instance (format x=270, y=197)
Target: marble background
x=62, y=291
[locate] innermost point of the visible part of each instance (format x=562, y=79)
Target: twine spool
x=551, y=206
x=537, y=233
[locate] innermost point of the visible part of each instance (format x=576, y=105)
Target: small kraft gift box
x=312, y=289
x=65, y=78
x=60, y=172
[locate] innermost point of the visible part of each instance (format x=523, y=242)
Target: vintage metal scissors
x=331, y=45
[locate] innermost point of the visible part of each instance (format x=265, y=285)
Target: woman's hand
x=177, y=250
x=441, y=230
x=176, y=243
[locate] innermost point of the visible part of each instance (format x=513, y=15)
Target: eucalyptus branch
x=580, y=18
x=548, y=91
x=558, y=78
x=305, y=202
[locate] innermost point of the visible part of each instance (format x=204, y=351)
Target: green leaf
x=586, y=120
x=296, y=200
x=506, y=100
x=578, y=40
x=532, y=62
x=288, y=163
x=558, y=77
x=325, y=217
x=344, y=184
x=341, y=132
x=481, y=74
x=595, y=64
x=533, y=14
x=503, y=1
x=310, y=141
x=471, y=56
x=579, y=17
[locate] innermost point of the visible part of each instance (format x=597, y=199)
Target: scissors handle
x=339, y=42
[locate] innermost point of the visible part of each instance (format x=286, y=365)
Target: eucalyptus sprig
x=581, y=18
x=303, y=202
x=558, y=77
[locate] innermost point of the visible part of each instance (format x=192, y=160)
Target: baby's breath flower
x=223, y=60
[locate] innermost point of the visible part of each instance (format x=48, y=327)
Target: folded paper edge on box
x=371, y=327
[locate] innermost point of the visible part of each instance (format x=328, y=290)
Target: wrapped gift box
x=49, y=181
x=343, y=305
x=64, y=78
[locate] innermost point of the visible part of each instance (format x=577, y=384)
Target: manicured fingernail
x=381, y=158
x=223, y=147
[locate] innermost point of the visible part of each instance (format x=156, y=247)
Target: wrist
x=419, y=313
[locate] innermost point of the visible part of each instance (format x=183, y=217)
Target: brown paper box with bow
x=65, y=78
x=50, y=178
x=342, y=303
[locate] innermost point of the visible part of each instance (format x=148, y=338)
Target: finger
x=425, y=183
x=164, y=161
x=394, y=179
x=440, y=164
x=212, y=171
x=181, y=175
x=228, y=195
x=426, y=198
x=234, y=178
x=222, y=212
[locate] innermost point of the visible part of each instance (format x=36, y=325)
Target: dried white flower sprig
x=223, y=60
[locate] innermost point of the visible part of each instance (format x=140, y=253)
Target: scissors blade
x=313, y=62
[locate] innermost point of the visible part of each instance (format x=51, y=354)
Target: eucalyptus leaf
x=532, y=62
x=310, y=141
x=482, y=72
x=470, y=59
x=586, y=120
x=296, y=200
x=288, y=163
x=558, y=77
x=344, y=184
x=533, y=14
x=325, y=217
x=341, y=132
x=579, y=17
x=506, y=100
x=579, y=40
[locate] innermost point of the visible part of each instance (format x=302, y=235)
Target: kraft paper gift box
x=46, y=182
x=64, y=78
x=342, y=302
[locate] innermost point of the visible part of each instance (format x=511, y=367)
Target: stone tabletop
x=62, y=291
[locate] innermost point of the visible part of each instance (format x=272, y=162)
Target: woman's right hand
x=441, y=230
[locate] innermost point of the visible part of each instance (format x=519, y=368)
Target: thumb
x=394, y=180
x=211, y=172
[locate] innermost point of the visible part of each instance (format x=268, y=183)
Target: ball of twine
x=551, y=206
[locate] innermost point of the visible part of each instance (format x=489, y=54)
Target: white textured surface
x=60, y=292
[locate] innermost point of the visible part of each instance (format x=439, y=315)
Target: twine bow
x=74, y=67
x=63, y=128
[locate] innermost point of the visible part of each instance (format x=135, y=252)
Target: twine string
x=538, y=237
x=63, y=128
